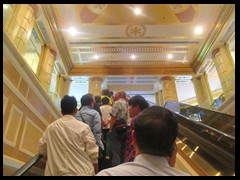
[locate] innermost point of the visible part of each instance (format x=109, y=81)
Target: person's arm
x=112, y=121
x=91, y=147
x=43, y=145
x=95, y=165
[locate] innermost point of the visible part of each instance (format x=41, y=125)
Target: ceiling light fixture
x=95, y=56
x=169, y=56
x=133, y=56
x=198, y=30
x=72, y=31
x=137, y=11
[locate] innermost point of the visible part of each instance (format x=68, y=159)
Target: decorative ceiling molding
x=126, y=70
x=138, y=49
x=61, y=44
x=218, y=25
x=140, y=63
x=135, y=31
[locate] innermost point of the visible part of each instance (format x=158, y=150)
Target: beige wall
x=26, y=109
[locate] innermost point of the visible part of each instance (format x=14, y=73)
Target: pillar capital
x=166, y=78
x=35, y=9
x=215, y=52
x=54, y=53
x=96, y=79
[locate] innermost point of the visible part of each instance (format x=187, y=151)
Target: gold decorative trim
x=135, y=49
x=10, y=119
x=224, y=13
x=5, y=102
x=14, y=56
x=135, y=31
x=23, y=99
x=21, y=148
x=9, y=161
x=168, y=78
x=51, y=18
x=142, y=63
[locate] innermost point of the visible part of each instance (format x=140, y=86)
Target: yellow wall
x=26, y=109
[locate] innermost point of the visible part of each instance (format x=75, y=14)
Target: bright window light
x=5, y=6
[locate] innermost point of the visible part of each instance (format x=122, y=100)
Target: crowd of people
x=110, y=135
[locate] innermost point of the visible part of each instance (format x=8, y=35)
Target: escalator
x=210, y=136
x=34, y=167
x=217, y=120
x=207, y=146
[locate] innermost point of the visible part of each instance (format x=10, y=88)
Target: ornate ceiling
x=109, y=34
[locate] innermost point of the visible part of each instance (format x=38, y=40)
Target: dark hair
x=105, y=92
x=68, y=104
x=105, y=100
x=97, y=99
x=156, y=130
x=86, y=100
x=138, y=100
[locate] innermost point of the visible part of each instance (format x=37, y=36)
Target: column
x=203, y=91
x=46, y=64
x=95, y=84
x=225, y=69
x=160, y=97
x=169, y=91
x=63, y=86
x=20, y=23
x=156, y=98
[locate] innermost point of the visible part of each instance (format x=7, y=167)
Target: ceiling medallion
x=135, y=31
x=97, y=8
x=178, y=8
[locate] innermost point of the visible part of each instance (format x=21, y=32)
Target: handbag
x=120, y=125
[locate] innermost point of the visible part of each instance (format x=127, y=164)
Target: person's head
x=87, y=100
x=105, y=100
x=156, y=130
x=120, y=94
x=105, y=92
x=97, y=99
x=136, y=105
x=68, y=105
x=111, y=93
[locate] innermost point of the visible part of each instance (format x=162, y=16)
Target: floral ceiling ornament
x=135, y=31
x=97, y=8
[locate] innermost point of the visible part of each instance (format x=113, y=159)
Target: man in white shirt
x=154, y=138
x=106, y=110
x=69, y=144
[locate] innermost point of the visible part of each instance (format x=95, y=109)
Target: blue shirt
x=93, y=119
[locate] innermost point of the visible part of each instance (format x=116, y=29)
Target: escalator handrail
x=169, y=101
x=28, y=165
x=206, y=126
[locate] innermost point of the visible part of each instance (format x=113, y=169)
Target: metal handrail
x=28, y=165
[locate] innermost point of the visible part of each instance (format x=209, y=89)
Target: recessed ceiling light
x=72, y=31
x=133, y=56
x=137, y=11
x=95, y=56
x=198, y=30
x=169, y=56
